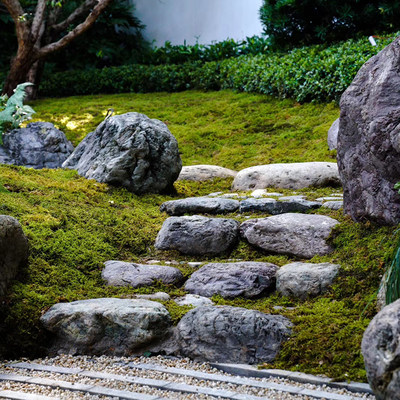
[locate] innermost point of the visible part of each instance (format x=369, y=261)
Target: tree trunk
x=34, y=76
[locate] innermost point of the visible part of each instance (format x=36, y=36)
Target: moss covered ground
x=74, y=225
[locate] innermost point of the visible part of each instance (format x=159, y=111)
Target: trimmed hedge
x=313, y=73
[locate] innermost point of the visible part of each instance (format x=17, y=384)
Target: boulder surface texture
x=119, y=273
x=301, y=280
x=198, y=235
x=205, y=173
x=231, y=334
x=13, y=250
x=381, y=351
x=106, y=326
x=288, y=176
x=299, y=235
x=368, y=150
x=129, y=150
x=200, y=205
x=248, y=279
x=39, y=145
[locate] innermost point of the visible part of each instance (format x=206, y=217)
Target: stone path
x=102, y=378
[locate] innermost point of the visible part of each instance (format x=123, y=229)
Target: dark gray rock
x=248, y=279
x=39, y=145
x=231, y=335
x=299, y=235
x=305, y=279
x=129, y=150
x=205, y=173
x=119, y=273
x=275, y=207
x=381, y=351
x=333, y=135
x=198, y=235
x=200, y=205
x=106, y=326
x=289, y=176
x=369, y=139
x=13, y=250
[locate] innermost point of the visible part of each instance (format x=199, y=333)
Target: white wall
x=205, y=21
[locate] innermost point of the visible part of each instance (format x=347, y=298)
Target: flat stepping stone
x=205, y=173
x=230, y=334
x=288, y=176
x=119, y=273
x=262, y=192
x=200, y=205
x=229, y=280
x=162, y=296
x=333, y=205
x=330, y=198
x=14, y=395
x=275, y=207
x=198, y=235
x=193, y=300
x=299, y=235
x=105, y=326
x=305, y=279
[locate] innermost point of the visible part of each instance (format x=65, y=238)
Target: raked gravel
x=117, y=365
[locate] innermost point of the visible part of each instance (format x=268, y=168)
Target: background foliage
x=302, y=22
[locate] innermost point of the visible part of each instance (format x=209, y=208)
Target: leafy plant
x=13, y=111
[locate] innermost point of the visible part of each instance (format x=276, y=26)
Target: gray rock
x=299, y=235
x=262, y=192
x=193, y=300
x=247, y=279
x=205, y=173
x=198, y=235
x=39, y=145
x=129, y=150
x=292, y=197
x=334, y=205
x=119, y=273
x=381, y=350
x=106, y=326
x=329, y=198
x=305, y=279
x=369, y=139
x=200, y=205
x=231, y=335
x=13, y=250
x=275, y=207
x=162, y=296
x=289, y=176
x=333, y=135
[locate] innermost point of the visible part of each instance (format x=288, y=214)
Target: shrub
x=309, y=73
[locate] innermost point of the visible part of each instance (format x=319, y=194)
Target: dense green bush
x=309, y=73
x=291, y=23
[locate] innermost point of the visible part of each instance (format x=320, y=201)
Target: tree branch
x=81, y=10
x=84, y=26
x=38, y=20
x=17, y=14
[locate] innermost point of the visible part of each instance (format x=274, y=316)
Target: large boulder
x=288, y=176
x=381, y=351
x=299, y=235
x=205, y=173
x=231, y=334
x=369, y=139
x=119, y=273
x=39, y=145
x=248, y=279
x=301, y=280
x=200, y=205
x=198, y=235
x=106, y=326
x=13, y=250
x=129, y=150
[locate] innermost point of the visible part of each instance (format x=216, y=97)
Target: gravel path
x=126, y=378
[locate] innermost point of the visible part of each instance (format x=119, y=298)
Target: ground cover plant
x=74, y=225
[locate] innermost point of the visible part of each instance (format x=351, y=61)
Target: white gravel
x=115, y=365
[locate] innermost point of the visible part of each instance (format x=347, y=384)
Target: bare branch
x=38, y=19
x=72, y=18
x=84, y=26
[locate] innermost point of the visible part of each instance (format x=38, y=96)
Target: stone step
x=14, y=395
x=237, y=380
